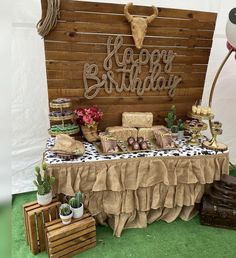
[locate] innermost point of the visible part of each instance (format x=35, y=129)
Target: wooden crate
x=35, y=216
x=68, y=240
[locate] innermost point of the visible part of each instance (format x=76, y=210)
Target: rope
x=44, y=26
x=152, y=82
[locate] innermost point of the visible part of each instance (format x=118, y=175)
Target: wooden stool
x=68, y=240
x=35, y=216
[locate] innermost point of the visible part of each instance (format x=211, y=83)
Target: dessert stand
x=62, y=115
x=197, y=137
x=195, y=128
x=231, y=44
x=213, y=144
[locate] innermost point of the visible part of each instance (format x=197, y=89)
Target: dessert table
x=132, y=190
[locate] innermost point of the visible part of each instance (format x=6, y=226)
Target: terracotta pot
x=44, y=199
x=90, y=133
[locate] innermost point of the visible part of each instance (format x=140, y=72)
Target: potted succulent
x=65, y=213
x=44, y=184
x=174, y=131
x=77, y=206
x=88, y=119
x=171, y=117
x=180, y=126
x=176, y=128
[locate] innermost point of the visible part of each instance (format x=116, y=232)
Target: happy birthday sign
x=129, y=67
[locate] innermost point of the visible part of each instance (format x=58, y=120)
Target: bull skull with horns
x=139, y=24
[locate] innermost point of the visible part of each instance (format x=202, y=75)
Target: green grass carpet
x=178, y=239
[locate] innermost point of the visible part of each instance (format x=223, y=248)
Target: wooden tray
x=152, y=146
x=98, y=147
x=124, y=148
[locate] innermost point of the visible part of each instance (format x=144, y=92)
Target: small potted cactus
x=77, y=206
x=180, y=125
x=65, y=213
x=44, y=184
x=174, y=131
x=171, y=117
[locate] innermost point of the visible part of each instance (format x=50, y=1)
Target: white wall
x=5, y=114
x=29, y=94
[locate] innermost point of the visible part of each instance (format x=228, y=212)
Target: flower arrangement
x=88, y=116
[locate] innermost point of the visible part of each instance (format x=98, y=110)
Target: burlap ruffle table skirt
x=133, y=192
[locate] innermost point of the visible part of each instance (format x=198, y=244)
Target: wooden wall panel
x=81, y=35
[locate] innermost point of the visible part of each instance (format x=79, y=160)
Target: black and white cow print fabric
x=91, y=153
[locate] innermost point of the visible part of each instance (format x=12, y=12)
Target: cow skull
x=139, y=24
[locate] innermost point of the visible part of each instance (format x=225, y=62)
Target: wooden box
x=216, y=216
x=35, y=216
x=69, y=240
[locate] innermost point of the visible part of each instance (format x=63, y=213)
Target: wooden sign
x=79, y=45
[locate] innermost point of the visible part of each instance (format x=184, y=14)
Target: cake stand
x=62, y=115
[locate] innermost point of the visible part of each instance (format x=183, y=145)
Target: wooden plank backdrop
x=81, y=35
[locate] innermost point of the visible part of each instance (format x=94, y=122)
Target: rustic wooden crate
x=68, y=240
x=35, y=216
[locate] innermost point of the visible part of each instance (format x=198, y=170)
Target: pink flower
x=88, y=115
x=79, y=112
x=94, y=109
x=87, y=120
x=98, y=116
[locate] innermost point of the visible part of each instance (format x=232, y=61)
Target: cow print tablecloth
x=91, y=154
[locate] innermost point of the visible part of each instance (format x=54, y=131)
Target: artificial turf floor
x=178, y=239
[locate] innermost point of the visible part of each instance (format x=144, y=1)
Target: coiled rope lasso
x=47, y=23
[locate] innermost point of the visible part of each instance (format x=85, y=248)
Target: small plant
x=65, y=209
x=174, y=129
x=76, y=202
x=180, y=125
x=43, y=181
x=171, y=117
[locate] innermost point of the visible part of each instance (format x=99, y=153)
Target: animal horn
x=153, y=16
x=128, y=16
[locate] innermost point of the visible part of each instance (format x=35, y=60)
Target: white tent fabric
x=29, y=91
